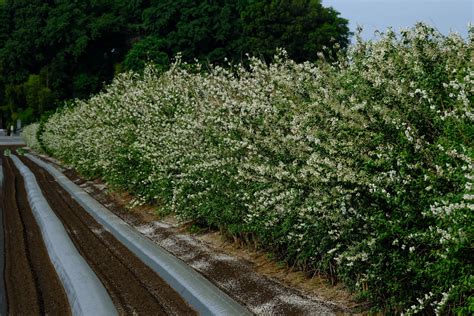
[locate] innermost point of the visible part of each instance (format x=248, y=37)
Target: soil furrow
x=32, y=284
x=133, y=286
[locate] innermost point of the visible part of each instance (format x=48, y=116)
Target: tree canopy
x=55, y=50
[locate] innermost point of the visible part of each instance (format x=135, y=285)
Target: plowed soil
x=133, y=286
x=32, y=285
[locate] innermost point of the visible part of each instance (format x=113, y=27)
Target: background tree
x=302, y=27
x=51, y=51
x=38, y=97
x=206, y=30
x=150, y=49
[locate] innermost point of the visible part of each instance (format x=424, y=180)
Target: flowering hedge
x=361, y=169
x=29, y=134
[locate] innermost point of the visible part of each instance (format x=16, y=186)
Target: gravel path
x=11, y=141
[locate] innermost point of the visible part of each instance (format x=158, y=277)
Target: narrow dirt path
x=3, y=297
x=32, y=285
x=133, y=286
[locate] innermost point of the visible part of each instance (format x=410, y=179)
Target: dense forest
x=52, y=51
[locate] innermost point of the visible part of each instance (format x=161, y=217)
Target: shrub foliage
x=361, y=169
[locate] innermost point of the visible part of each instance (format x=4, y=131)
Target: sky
x=445, y=15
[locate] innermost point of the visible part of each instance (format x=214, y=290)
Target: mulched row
x=31, y=282
x=132, y=285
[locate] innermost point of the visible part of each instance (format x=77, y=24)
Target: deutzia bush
x=29, y=135
x=360, y=169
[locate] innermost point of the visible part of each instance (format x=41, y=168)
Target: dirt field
x=136, y=289
x=133, y=286
x=32, y=285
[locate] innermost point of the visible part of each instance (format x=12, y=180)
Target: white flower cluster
x=29, y=135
